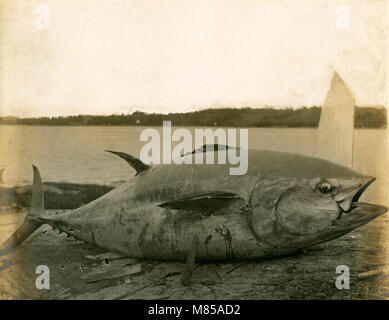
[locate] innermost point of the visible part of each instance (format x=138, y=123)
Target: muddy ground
x=307, y=275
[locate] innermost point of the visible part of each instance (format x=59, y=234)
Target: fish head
x=290, y=213
x=312, y=206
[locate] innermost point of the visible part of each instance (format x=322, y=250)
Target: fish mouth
x=358, y=213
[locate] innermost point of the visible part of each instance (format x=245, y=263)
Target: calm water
x=76, y=154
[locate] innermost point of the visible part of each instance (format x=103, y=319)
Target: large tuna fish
x=285, y=202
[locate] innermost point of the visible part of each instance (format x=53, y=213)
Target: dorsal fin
x=210, y=147
x=137, y=164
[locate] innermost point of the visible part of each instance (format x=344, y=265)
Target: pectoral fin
x=210, y=201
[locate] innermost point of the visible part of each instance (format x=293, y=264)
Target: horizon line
x=184, y=112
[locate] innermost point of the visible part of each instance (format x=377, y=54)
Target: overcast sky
x=114, y=56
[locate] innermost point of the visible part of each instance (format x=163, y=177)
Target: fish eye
x=325, y=187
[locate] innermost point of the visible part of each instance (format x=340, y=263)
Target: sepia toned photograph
x=194, y=150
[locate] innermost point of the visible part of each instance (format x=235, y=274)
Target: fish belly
x=162, y=234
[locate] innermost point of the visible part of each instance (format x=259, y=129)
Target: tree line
x=365, y=117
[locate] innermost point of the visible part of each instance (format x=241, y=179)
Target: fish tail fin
x=32, y=221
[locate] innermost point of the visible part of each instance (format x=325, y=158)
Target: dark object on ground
x=187, y=273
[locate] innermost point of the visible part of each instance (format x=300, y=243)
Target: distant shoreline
x=365, y=117
x=177, y=126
